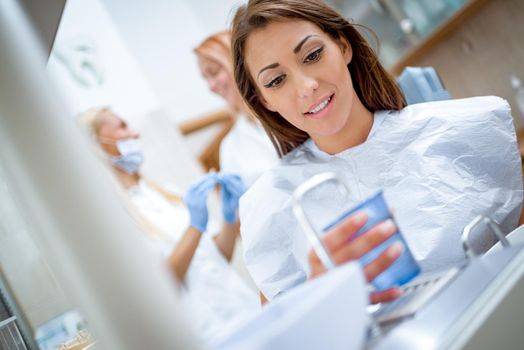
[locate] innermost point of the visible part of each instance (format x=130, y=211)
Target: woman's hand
x=343, y=249
x=196, y=201
x=232, y=189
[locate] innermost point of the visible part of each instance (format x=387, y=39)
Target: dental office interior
x=76, y=267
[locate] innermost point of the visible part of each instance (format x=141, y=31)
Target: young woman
x=328, y=104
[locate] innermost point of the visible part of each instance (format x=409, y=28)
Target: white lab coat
x=247, y=151
x=439, y=163
x=219, y=300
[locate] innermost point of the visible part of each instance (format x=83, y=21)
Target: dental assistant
x=328, y=104
x=245, y=150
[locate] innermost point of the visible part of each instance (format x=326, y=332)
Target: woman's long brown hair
x=374, y=86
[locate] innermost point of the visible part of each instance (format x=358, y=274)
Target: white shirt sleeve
x=247, y=151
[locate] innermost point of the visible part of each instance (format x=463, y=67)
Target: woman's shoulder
x=470, y=120
x=266, y=181
x=457, y=107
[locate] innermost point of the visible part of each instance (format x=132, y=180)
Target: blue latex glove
x=196, y=201
x=232, y=188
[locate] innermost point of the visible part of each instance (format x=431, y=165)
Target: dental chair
x=515, y=237
x=422, y=84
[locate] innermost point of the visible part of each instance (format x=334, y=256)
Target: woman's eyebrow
x=295, y=50
x=271, y=66
x=302, y=42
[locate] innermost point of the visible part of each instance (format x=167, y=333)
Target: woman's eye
x=314, y=56
x=213, y=73
x=275, y=82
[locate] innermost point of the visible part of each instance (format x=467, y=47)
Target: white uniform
x=439, y=163
x=220, y=301
x=247, y=151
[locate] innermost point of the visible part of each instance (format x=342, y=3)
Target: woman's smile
x=322, y=109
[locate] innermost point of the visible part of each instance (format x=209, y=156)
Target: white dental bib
x=440, y=164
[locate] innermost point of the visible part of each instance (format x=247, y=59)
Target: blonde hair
x=91, y=120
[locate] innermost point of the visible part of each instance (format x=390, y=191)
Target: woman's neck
x=127, y=180
x=354, y=133
x=241, y=112
x=249, y=117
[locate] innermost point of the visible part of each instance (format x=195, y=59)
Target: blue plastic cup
x=405, y=267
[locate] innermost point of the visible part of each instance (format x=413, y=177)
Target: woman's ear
x=346, y=48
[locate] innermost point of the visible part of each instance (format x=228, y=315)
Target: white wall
x=126, y=89
x=161, y=35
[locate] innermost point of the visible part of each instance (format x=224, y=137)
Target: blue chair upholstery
x=421, y=84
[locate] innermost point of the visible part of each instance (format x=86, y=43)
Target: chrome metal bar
x=298, y=210
x=492, y=225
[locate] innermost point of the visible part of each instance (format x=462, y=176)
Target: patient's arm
x=181, y=257
x=344, y=249
x=226, y=239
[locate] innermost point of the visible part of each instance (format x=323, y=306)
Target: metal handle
x=469, y=228
x=298, y=210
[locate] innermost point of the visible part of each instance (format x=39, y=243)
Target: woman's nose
x=133, y=134
x=306, y=86
x=214, y=85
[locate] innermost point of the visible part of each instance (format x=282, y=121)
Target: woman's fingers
x=343, y=248
x=363, y=244
x=377, y=266
x=339, y=236
x=385, y=296
x=206, y=186
x=233, y=183
x=383, y=261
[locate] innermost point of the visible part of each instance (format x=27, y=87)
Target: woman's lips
x=321, y=109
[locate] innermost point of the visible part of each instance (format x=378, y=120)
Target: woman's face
x=301, y=73
x=219, y=81
x=111, y=130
